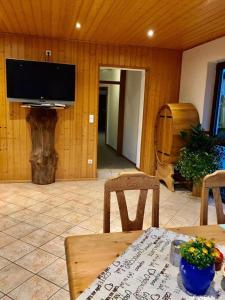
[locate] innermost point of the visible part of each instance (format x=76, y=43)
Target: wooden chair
x=212, y=181
x=131, y=181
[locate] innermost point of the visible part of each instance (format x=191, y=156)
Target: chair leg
x=204, y=206
x=155, y=208
x=106, y=219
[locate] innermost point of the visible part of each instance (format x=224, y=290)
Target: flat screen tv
x=40, y=82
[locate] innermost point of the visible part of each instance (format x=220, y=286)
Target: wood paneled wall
x=76, y=139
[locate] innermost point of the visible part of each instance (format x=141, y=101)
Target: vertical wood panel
x=76, y=139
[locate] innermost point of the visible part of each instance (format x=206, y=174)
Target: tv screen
x=32, y=81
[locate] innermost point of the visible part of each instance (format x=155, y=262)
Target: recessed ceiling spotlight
x=78, y=25
x=150, y=33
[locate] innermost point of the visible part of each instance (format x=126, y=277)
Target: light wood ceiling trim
x=178, y=24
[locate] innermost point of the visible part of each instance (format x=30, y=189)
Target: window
x=218, y=112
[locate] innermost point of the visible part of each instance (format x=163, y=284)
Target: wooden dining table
x=88, y=255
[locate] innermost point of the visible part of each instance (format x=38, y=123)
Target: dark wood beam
x=121, y=112
x=109, y=81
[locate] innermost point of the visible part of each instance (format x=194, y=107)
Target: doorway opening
x=121, y=100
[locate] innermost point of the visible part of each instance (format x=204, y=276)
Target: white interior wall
x=112, y=115
x=109, y=74
x=198, y=77
x=133, y=115
x=112, y=105
x=140, y=119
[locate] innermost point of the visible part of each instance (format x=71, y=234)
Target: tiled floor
x=34, y=220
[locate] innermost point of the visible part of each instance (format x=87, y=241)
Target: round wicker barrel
x=171, y=120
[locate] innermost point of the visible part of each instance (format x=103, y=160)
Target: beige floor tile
x=2, y=203
x=40, y=220
x=36, y=288
x=61, y=295
x=2, y=295
x=58, y=227
x=38, y=238
x=68, y=196
x=55, y=246
x=9, y=209
x=56, y=212
x=77, y=230
x=52, y=191
x=71, y=205
x=29, y=192
x=6, y=222
x=38, y=196
x=22, y=201
x=20, y=230
x=56, y=272
x=115, y=225
x=23, y=215
x=74, y=218
x=5, y=239
x=87, y=199
x=66, y=287
x=93, y=223
x=11, y=277
x=6, y=298
x=4, y=262
x=178, y=221
x=15, y=250
x=55, y=200
x=36, y=260
x=86, y=210
x=41, y=207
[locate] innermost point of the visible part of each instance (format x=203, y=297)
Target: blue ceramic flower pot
x=196, y=281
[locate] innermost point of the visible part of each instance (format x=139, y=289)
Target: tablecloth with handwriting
x=144, y=272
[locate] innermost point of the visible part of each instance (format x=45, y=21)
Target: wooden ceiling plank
x=178, y=24
x=94, y=14
x=107, y=21
x=187, y=26
x=199, y=29
x=27, y=11
x=85, y=8
x=11, y=18
x=166, y=22
x=98, y=20
x=71, y=17
x=148, y=20
x=4, y=19
x=36, y=9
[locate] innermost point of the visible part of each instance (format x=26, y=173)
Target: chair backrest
x=131, y=181
x=212, y=181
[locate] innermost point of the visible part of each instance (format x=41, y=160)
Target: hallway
x=107, y=157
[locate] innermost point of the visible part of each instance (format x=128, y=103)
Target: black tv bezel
x=41, y=100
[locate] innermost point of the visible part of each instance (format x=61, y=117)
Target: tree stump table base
x=43, y=156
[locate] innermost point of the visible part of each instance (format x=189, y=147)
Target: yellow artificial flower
x=215, y=254
x=204, y=250
x=208, y=244
x=200, y=240
x=191, y=250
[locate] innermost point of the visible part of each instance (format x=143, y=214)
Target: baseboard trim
x=57, y=180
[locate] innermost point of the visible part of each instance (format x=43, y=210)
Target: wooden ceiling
x=178, y=24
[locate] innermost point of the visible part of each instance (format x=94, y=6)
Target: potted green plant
x=197, y=265
x=200, y=156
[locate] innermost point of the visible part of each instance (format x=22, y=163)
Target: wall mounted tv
x=40, y=82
